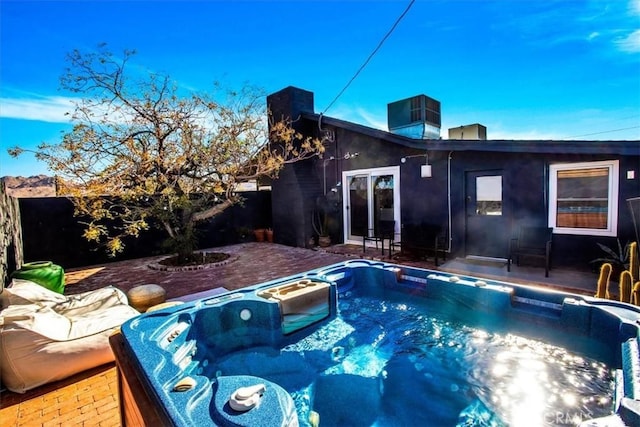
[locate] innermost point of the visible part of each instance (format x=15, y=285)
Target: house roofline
x=494, y=145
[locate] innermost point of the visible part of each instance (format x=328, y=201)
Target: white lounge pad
x=45, y=336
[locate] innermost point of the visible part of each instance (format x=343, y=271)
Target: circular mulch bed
x=200, y=261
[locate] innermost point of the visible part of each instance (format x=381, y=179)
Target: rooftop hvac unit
x=416, y=117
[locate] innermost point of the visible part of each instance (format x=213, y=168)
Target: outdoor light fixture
x=425, y=170
x=346, y=156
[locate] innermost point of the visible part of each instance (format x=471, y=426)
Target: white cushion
x=45, y=336
x=22, y=292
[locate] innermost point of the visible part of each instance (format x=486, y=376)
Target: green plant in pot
x=243, y=233
x=320, y=222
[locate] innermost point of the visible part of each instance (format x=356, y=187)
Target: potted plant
x=243, y=234
x=268, y=234
x=320, y=223
x=259, y=234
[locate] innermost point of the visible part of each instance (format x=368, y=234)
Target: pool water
x=390, y=360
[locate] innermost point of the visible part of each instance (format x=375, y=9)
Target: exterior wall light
x=425, y=170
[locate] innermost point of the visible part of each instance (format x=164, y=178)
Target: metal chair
x=532, y=242
x=384, y=230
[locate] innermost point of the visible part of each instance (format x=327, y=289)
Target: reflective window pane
x=489, y=195
x=583, y=198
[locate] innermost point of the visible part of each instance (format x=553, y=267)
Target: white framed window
x=583, y=198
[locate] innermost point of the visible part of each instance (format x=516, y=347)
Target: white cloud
x=629, y=43
x=360, y=115
x=372, y=120
x=51, y=109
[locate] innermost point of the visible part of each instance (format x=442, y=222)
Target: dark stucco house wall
x=443, y=198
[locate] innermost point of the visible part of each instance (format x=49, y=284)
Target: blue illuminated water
x=398, y=361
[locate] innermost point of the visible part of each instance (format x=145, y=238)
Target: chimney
x=290, y=102
x=417, y=117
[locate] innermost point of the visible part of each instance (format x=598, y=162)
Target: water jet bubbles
x=454, y=388
x=381, y=379
x=337, y=353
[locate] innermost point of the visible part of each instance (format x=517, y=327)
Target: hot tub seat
x=46, y=336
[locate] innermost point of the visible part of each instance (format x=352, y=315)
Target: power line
x=604, y=131
x=371, y=55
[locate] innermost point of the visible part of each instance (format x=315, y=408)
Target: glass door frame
x=371, y=175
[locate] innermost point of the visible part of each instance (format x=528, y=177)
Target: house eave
x=621, y=147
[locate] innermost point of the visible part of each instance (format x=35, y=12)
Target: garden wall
x=51, y=232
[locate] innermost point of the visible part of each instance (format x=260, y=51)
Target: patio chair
x=532, y=242
x=384, y=230
x=421, y=240
x=46, y=336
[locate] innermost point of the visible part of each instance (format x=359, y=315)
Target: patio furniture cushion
x=144, y=296
x=46, y=337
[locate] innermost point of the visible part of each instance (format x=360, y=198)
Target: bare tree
x=156, y=153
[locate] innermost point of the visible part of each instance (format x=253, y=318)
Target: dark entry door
x=486, y=231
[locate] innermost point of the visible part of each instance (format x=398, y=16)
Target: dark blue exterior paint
x=525, y=165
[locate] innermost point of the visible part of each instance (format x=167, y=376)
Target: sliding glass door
x=371, y=195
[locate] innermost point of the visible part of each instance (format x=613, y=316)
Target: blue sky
x=563, y=69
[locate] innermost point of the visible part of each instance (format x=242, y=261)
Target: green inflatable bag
x=44, y=273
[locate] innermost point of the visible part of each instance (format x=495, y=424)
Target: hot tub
x=371, y=343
